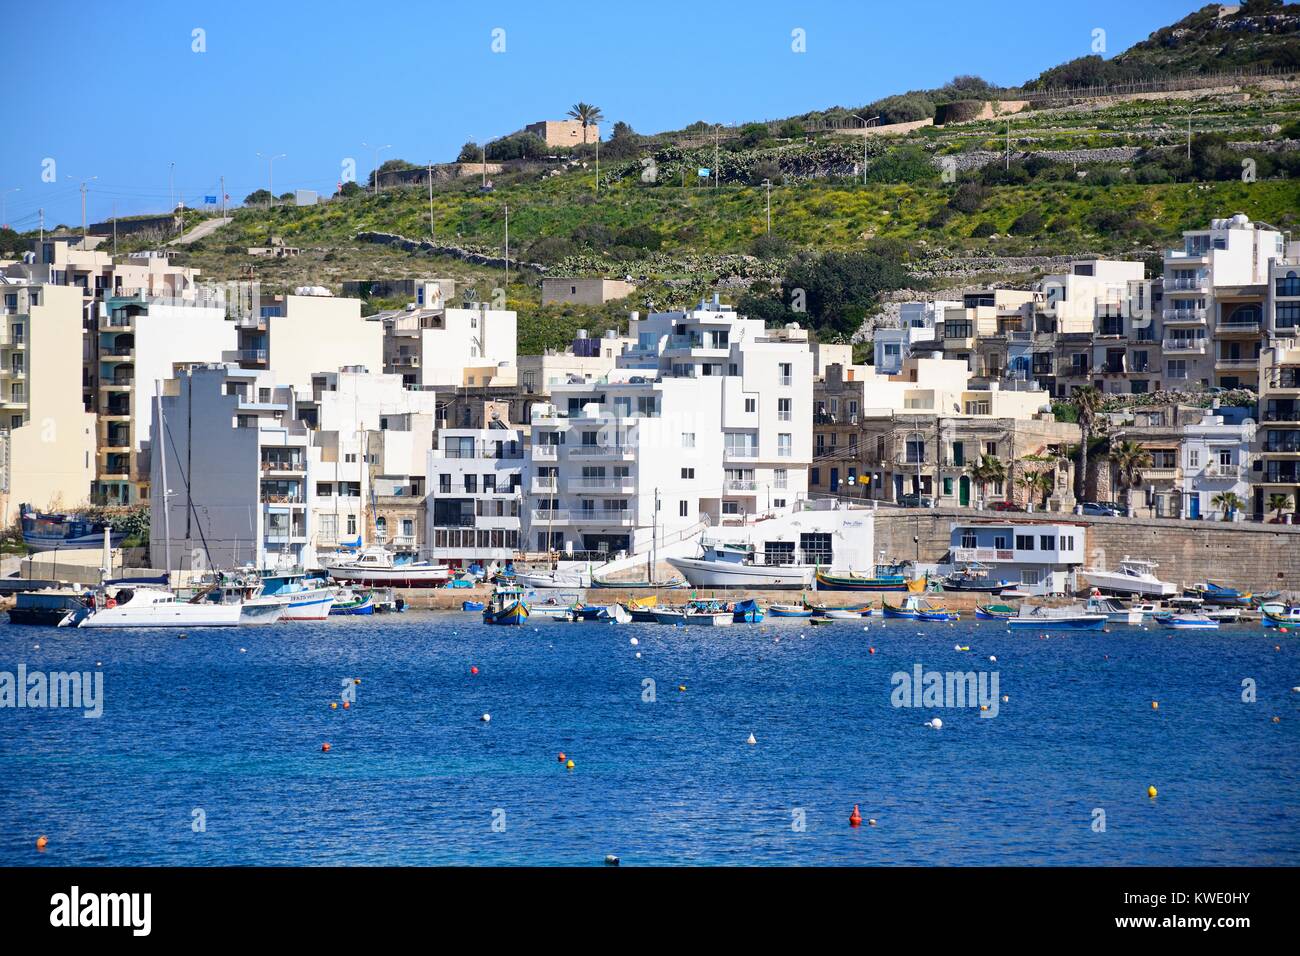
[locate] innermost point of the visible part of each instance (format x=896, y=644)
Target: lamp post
x=270, y=172
x=864, y=147
x=378, y=150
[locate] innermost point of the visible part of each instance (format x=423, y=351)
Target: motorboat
x=846, y=614
x=789, y=610
x=1133, y=576
x=1224, y=615
x=994, y=612
x=701, y=617
x=607, y=613
x=1075, y=618
x=50, y=532
x=726, y=564
x=48, y=607
x=378, y=567
x=974, y=577
x=123, y=607
x=506, y=607
x=1287, y=617
x=1192, y=622
x=472, y=605
x=556, y=607
x=672, y=616
x=1116, y=613
x=642, y=610
x=550, y=579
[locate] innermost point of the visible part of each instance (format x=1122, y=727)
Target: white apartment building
x=476, y=478
x=587, y=360
x=432, y=347
x=1215, y=458
x=237, y=472
x=705, y=419
x=916, y=323
x=295, y=336
x=142, y=341
x=47, y=438
x=1039, y=558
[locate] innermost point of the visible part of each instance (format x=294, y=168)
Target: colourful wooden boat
x=913, y=607
x=994, y=612
x=789, y=610
x=886, y=578
x=506, y=607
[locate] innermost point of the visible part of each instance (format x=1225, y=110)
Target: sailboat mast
x=167, y=524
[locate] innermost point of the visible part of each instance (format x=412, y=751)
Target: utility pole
x=768, y=184
x=223, y=197
x=717, y=133
x=42, y=214
x=378, y=150
x=485, y=165
x=114, y=229
x=1008, y=163
x=864, y=147
x=270, y=173
x=171, y=185
x=597, y=165
x=507, y=245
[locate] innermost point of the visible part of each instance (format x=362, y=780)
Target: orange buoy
x=347, y=704
x=357, y=680
x=561, y=758
x=41, y=842
x=325, y=748
x=855, y=818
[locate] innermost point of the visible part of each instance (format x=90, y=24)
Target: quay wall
x=1247, y=555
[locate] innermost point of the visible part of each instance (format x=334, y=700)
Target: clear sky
x=115, y=90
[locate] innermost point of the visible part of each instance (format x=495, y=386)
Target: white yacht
x=376, y=567
x=552, y=579
x=1133, y=576
x=148, y=606
x=728, y=564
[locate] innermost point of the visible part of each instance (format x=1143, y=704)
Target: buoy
x=1005, y=698
x=935, y=724
x=1155, y=705
x=1277, y=720
x=1151, y=791
x=485, y=718
x=325, y=748
x=347, y=704
x=872, y=821
x=334, y=705
x=243, y=651
x=357, y=681
x=36, y=647
x=611, y=859
x=41, y=842
x=473, y=670
x=634, y=642
x=855, y=818
x=1295, y=690
x=751, y=741
x=681, y=687
x=993, y=658
x=984, y=706
x=569, y=765
x=871, y=649
x=638, y=654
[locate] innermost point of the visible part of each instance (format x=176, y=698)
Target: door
x=835, y=480
x=963, y=491
x=1194, y=505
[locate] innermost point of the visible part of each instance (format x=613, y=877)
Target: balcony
x=269, y=498
x=605, y=517
x=1184, y=346
x=117, y=383
x=544, y=486
x=405, y=361
x=546, y=452
x=621, y=485
x=1199, y=284
x=1287, y=473
x=1183, y=316
x=284, y=464
x=744, y=486
x=1159, y=474
x=1282, y=446
x=1284, y=378
x=1237, y=328
x=550, y=516
x=117, y=323
x=617, y=452
x=252, y=355
x=1281, y=415
x=1237, y=364
x=982, y=555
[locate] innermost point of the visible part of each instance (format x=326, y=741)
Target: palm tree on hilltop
x=588, y=114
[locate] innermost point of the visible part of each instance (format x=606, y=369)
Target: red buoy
x=473, y=670
x=560, y=758
x=325, y=748
x=855, y=818
x=872, y=649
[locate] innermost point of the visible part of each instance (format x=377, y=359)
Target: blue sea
x=209, y=749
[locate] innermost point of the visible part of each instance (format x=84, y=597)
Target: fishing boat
x=49, y=607
x=672, y=616
x=49, y=532
x=1286, y=617
x=349, y=601
x=556, y=607
x=730, y=564
x=378, y=567
x=974, y=577
x=1133, y=576
x=472, y=605
x=1224, y=615
x=1074, y=618
x=994, y=612
x=506, y=607
x=308, y=598
x=551, y=579
x=644, y=584
x=937, y=615
x=887, y=577
x=747, y=612
x=642, y=610
x=845, y=614
x=699, y=617
x=917, y=608
x=124, y=607
x=1115, y=612
x=789, y=610
x=1193, y=622
x=607, y=613
x=1212, y=593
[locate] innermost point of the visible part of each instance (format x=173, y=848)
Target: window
x=1067, y=542
x=688, y=439
x=1177, y=368
x=815, y=477
x=471, y=484
x=780, y=477
x=1024, y=542
x=784, y=445
x=1000, y=542
x=1047, y=542
x=352, y=524
x=751, y=405
x=1225, y=458
x=688, y=474
x=991, y=448
x=731, y=507
x=787, y=373
x=783, y=409
x=444, y=484
x=1193, y=458
x=968, y=539
x=683, y=508
x=778, y=502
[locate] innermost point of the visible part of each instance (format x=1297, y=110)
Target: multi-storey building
x=1039, y=558
x=916, y=323
x=1282, y=310
x=1275, y=471
x=141, y=341
x=587, y=360
x=704, y=419
x=47, y=438
x=295, y=336
x=476, y=490
x=441, y=347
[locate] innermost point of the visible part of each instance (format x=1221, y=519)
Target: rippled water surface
x=231, y=723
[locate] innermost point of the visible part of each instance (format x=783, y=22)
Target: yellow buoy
x=334, y=705
x=1155, y=705
x=681, y=687
x=570, y=765
x=1151, y=791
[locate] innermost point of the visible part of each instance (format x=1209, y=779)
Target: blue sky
x=115, y=90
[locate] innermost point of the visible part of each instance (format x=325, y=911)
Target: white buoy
x=634, y=642
x=485, y=718
x=1295, y=690
x=956, y=647
x=243, y=651
x=993, y=658
x=935, y=724
x=751, y=741
x=36, y=646
x=638, y=654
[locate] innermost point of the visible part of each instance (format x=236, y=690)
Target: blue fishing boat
x=506, y=607
x=937, y=616
x=1211, y=593
x=471, y=605
x=789, y=610
x=353, y=602
x=49, y=532
x=994, y=612
x=1057, y=618
x=917, y=608
x=747, y=612
x=1280, y=617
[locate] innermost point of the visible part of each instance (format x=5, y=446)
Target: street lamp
x=270, y=172
x=864, y=147
x=378, y=150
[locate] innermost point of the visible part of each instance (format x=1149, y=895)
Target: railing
x=293, y=464
x=1184, y=315
x=269, y=499
x=1278, y=476
x=740, y=484
x=544, y=515
x=604, y=484
x=1284, y=447
x=603, y=516
x=1186, y=285
x=1236, y=363
x=1247, y=328
x=408, y=361
x=982, y=555
x=600, y=451
x=253, y=355
x=1183, y=345
x=546, y=452
x=1284, y=378
x=1281, y=415
x=1159, y=474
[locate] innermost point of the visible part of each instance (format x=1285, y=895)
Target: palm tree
x=1279, y=503
x=988, y=470
x=590, y=115
x=1129, y=458
x=1087, y=402
x=1229, y=501
x=1038, y=484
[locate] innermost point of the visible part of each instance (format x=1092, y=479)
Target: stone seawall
x=1248, y=555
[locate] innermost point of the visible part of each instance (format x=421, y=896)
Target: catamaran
x=149, y=606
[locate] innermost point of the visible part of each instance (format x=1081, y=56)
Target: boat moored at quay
x=378, y=567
